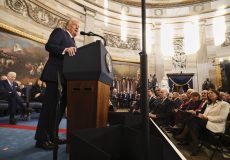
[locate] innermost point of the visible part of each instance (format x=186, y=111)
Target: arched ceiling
x=161, y=3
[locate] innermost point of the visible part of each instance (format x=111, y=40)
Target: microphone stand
x=96, y=35
x=144, y=86
x=55, y=151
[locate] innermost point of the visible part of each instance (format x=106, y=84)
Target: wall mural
x=126, y=76
x=23, y=56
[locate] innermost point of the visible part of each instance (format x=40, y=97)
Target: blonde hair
x=11, y=74
x=71, y=22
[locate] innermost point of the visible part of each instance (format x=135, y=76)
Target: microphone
x=92, y=34
x=84, y=33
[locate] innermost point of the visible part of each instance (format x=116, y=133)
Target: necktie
x=11, y=84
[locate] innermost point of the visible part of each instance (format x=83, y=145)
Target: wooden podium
x=89, y=76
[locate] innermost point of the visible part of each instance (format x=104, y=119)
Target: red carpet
x=33, y=128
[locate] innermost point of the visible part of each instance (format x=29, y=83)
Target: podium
x=89, y=76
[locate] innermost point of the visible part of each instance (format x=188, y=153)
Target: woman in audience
x=213, y=119
x=38, y=91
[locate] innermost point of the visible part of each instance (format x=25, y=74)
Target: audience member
x=163, y=111
x=38, y=91
x=213, y=119
x=8, y=91
x=3, y=77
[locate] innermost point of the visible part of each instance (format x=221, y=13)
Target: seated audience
x=181, y=115
x=177, y=101
x=213, y=119
x=37, y=91
x=151, y=98
x=3, y=77
x=114, y=98
x=8, y=91
x=163, y=110
x=136, y=105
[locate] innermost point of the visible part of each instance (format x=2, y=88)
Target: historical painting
x=21, y=55
x=126, y=76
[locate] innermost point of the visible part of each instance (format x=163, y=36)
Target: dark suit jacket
x=58, y=41
x=5, y=88
x=151, y=103
x=164, y=110
x=177, y=102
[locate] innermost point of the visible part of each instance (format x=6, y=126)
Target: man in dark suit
x=151, y=99
x=8, y=92
x=163, y=111
x=61, y=42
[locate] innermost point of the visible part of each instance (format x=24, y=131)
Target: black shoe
x=46, y=145
x=12, y=121
x=60, y=141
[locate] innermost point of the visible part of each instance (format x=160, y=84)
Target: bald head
x=163, y=93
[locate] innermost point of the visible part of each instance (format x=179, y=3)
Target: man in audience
x=3, y=77
x=8, y=90
x=176, y=99
x=163, y=111
x=151, y=99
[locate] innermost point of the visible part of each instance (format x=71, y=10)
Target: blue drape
x=180, y=82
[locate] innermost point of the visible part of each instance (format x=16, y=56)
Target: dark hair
x=217, y=93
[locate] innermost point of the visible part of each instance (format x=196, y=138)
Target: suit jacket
x=58, y=41
x=177, y=102
x=217, y=115
x=164, y=110
x=5, y=88
x=151, y=103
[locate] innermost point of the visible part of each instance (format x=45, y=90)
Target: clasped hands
x=202, y=116
x=71, y=51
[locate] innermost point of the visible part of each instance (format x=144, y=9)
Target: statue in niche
x=207, y=85
x=123, y=83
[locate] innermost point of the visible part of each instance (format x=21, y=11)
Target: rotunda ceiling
x=161, y=3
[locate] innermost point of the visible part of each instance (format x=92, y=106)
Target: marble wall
x=35, y=19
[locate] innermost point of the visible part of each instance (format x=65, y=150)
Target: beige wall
x=38, y=18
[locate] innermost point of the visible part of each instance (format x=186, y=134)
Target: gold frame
x=22, y=33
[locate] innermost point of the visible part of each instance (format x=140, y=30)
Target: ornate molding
x=21, y=33
x=41, y=15
x=116, y=42
x=179, y=58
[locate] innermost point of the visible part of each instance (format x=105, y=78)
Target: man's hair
x=11, y=73
x=70, y=22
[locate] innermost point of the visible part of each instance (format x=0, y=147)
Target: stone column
x=89, y=24
x=158, y=55
x=202, y=59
